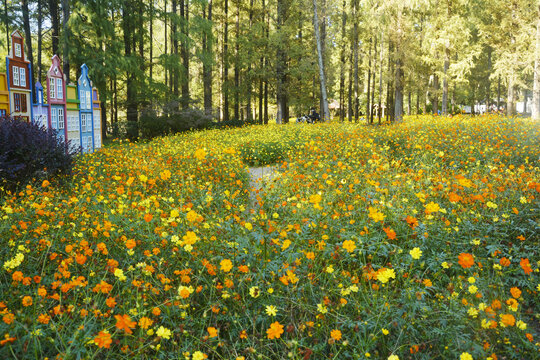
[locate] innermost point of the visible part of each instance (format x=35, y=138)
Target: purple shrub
x=30, y=153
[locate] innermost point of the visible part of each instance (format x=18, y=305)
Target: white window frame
x=83, y=122
x=89, y=143
x=88, y=100
x=16, y=75
x=60, y=119
x=52, y=85
x=22, y=75
x=59, y=89
x=82, y=98
x=54, y=118
x=18, y=50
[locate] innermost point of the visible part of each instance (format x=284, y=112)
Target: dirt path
x=259, y=177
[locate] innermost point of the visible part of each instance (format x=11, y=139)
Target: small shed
x=86, y=122
x=4, y=95
x=72, y=111
x=40, y=115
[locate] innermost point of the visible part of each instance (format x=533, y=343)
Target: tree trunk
x=40, y=39
x=525, y=92
x=355, y=47
x=28, y=36
x=390, y=86
x=165, y=67
x=115, y=98
x=409, y=105
x=325, y=110
x=322, y=29
x=184, y=13
x=237, y=64
x=6, y=19
x=499, y=94
x=398, y=101
x=350, y=92
x=536, y=85
x=152, y=41
x=248, y=78
x=267, y=29
x=435, y=109
x=55, y=21
x=281, y=65
x=372, y=102
x=488, y=82
x=510, y=100
x=65, y=38
x=207, y=64
x=174, y=37
x=381, y=59
x=368, y=98
x=417, y=101
x=342, y=65
x=444, y=109
x=131, y=105
x=225, y=59
x=473, y=101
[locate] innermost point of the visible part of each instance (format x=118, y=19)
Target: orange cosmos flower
x=17, y=276
x=466, y=260
x=526, y=266
x=27, y=301
x=123, y=322
x=103, y=340
x=335, y=334
x=504, y=262
x=7, y=339
x=212, y=332
x=8, y=318
x=412, y=221
x=111, y=302
x=508, y=319
x=390, y=233
x=515, y=292
x=44, y=318
x=275, y=331
x=145, y=322
x=148, y=217
x=130, y=244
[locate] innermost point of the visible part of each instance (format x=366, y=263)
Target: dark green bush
x=30, y=153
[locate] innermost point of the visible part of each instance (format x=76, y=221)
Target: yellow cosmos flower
x=349, y=245
x=416, y=253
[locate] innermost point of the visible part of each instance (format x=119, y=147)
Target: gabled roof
x=17, y=33
x=56, y=67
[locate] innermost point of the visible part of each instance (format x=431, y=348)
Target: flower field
x=417, y=240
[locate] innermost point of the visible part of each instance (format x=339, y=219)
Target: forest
x=272, y=60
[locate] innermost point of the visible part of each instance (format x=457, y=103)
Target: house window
x=52, y=89
x=23, y=76
x=23, y=103
x=83, y=122
x=15, y=75
x=18, y=50
x=17, y=102
x=59, y=89
x=61, y=119
x=88, y=101
x=40, y=97
x=89, y=143
x=54, y=118
x=83, y=104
